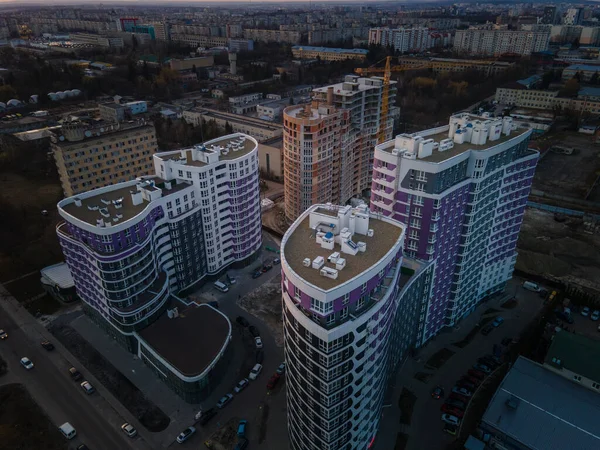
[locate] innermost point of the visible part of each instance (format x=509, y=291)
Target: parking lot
x=443, y=362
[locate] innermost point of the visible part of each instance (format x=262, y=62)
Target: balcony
x=434, y=227
x=435, y=216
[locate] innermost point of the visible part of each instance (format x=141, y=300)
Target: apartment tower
x=352, y=307
x=328, y=146
x=461, y=190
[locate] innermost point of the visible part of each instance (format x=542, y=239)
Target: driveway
x=425, y=429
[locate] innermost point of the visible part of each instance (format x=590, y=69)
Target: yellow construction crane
x=387, y=75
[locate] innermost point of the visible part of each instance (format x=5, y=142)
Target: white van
x=67, y=430
x=531, y=286
x=221, y=286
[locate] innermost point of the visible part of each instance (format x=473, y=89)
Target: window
x=344, y=313
x=330, y=319
x=577, y=378
x=345, y=299
x=360, y=303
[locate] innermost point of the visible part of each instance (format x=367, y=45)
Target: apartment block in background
x=488, y=42
x=89, y=157
x=132, y=247
x=352, y=308
x=462, y=190
x=328, y=145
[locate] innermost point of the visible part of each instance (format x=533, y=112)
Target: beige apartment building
x=328, y=145
x=92, y=157
x=438, y=65
x=538, y=99
x=287, y=37
x=196, y=40
x=329, y=53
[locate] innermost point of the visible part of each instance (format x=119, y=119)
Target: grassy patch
x=406, y=403
x=509, y=304
x=401, y=441
x=23, y=424
x=423, y=377
x=25, y=288
x=439, y=358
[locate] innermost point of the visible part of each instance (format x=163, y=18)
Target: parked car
x=482, y=368
x=223, y=401
x=450, y=429
x=506, y=341
x=255, y=372
x=260, y=356
x=87, y=387
x=242, y=321
x=455, y=403
x=243, y=384
x=186, y=434
x=498, y=321
x=129, y=430
x=266, y=268
x=82, y=447
x=452, y=420
x=472, y=380
x=489, y=362
x=585, y=311
x=257, y=274
x=463, y=383
x=207, y=415
x=487, y=330
x=231, y=279
x=462, y=391
x=437, y=392
x=214, y=304
x=273, y=381
x=459, y=397
x=281, y=369
x=75, y=375
x=258, y=342
x=26, y=362
x=476, y=374
x=3, y=334
x=241, y=431
x=595, y=315
x=241, y=445
x=531, y=286
x=253, y=331
x=447, y=409
x=276, y=261
x=47, y=345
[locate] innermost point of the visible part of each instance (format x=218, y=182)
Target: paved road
x=425, y=431
x=61, y=398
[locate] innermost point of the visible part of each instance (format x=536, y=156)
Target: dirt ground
x=569, y=175
x=562, y=252
x=23, y=424
x=225, y=438
x=275, y=217
x=28, y=290
x=149, y=415
x=265, y=303
x=28, y=239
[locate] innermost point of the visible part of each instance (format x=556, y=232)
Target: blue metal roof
x=543, y=410
x=589, y=92
x=583, y=67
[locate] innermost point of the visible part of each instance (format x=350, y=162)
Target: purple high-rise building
x=461, y=190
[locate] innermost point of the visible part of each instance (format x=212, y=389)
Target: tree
x=570, y=89
x=146, y=71
x=228, y=128
x=134, y=42
x=291, y=99
x=594, y=79
x=7, y=92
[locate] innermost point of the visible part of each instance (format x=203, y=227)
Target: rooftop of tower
x=465, y=132
x=312, y=243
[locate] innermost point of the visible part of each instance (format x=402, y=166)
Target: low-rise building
x=239, y=45
x=439, y=65
x=536, y=408
x=272, y=110
x=287, y=37
x=585, y=71
x=195, y=40
x=518, y=95
x=118, y=112
x=244, y=104
x=189, y=63
x=329, y=53
x=261, y=130
x=270, y=158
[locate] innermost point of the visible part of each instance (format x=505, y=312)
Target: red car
x=476, y=374
x=273, y=381
x=462, y=398
x=453, y=411
x=471, y=379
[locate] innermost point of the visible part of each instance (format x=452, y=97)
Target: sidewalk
x=112, y=410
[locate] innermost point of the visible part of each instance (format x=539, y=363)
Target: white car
x=129, y=430
x=3, y=334
x=241, y=385
x=449, y=418
x=255, y=372
x=595, y=315
x=26, y=362
x=462, y=391
x=258, y=342
x=585, y=311
x=87, y=387
x=185, y=434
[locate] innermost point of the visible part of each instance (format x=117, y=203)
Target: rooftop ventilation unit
x=106, y=202
x=93, y=207
x=318, y=262
x=306, y=262
x=333, y=257
x=370, y=232
x=104, y=212
x=340, y=263
x=329, y=273
x=513, y=402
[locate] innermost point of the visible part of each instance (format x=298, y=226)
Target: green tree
x=7, y=92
